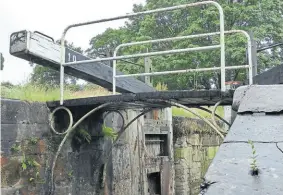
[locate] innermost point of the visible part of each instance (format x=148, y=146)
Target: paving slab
x=261, y=128
x=258, y=98
x=230, y=169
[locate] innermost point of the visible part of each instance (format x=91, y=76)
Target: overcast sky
x=51, y=17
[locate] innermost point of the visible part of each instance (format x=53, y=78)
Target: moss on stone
x=211, y=151
x=10, y=172
x=183, y=153
x=187, y=126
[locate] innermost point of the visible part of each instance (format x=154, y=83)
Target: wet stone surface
x=260, y=120
x=230, y=170
x=261, y=128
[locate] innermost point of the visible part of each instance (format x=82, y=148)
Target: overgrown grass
x=181, y=112
x=32, y=93
x=35, y=93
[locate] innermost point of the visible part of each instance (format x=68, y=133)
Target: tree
x=48, y=77
x=263, y=18
x=7, y=84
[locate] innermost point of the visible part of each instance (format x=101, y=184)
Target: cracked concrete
x=232, y=164
x=230, y=169
x=280, y=146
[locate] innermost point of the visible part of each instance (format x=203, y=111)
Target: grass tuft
x=37, y=93
x=34, y=93
x=109, y=132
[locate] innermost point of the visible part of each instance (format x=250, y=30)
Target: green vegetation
x=33, y=93
x=15, y=148
x=31, y=167
x=33, y=140
x=82, y=136
x=36, y=93
x=262, y=18
x=253, y=165
x=70, y=173
x=109, y=132
x=181, y=112
x=29, y=162
x=161, y=87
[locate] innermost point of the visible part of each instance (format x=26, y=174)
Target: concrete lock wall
x=28, y=147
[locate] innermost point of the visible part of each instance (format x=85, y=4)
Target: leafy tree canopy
x=263, y=18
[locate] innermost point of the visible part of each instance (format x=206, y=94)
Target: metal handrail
x=249, y=66
x=156, y=53
x=222, y=43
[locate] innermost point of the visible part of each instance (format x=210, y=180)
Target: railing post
x=222, y=48
x=147, y=69
x=253, y=54
x=145, y=13
x=62, y=61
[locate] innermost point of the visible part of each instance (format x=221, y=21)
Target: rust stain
x=41, y=146
x=155, y=114
x=106, y=189
x=136, y=142
x=24, y=191
x=3, y=161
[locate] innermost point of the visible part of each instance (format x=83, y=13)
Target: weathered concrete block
x=195, y=190
x=181, y=142
x=206, y=140
x=183, y=153
x=267, y=128
x=211, y=152
x=194, y=140
x=197, y=155
x=23, y=131
x=239, y=94
x=195, y=166
x=182, y=191
x=181, y=177
x=63, y=190
x=231, y=169
x=122, y=187
x=258, y=98
x=198, y=138
x=210, y=140
x=20, y=112
x=204, y=166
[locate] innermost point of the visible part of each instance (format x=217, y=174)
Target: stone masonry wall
x=27, y=150
x=24, y=149
x=28, y=147
x=195, y=145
